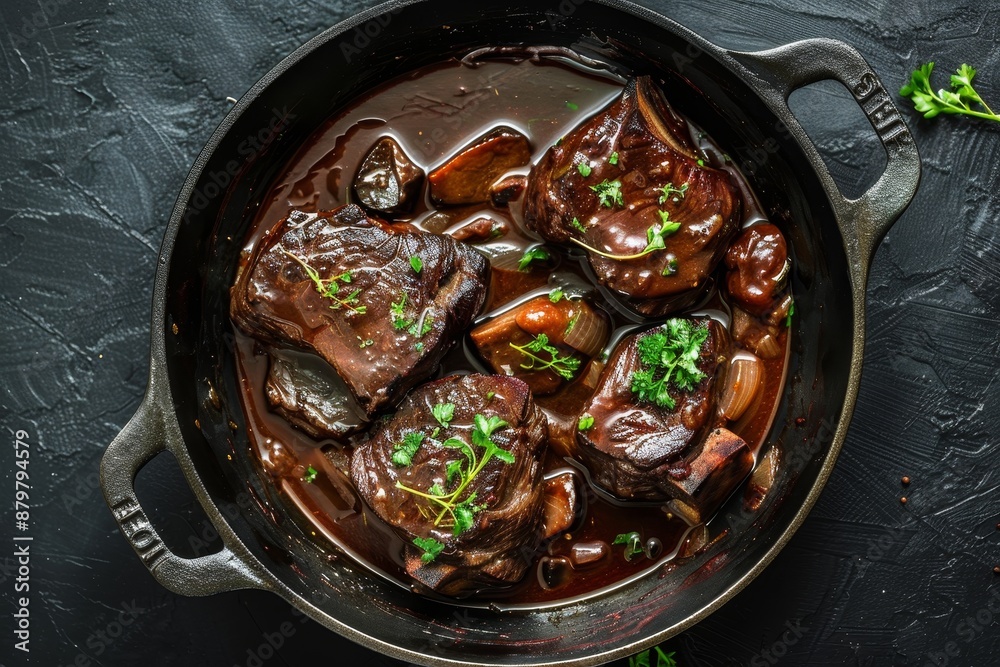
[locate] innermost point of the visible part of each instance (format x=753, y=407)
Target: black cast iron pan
x=739, y=98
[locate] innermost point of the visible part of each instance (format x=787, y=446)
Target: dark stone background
x=104, y=107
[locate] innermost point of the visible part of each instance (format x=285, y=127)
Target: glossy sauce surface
x=433, y=113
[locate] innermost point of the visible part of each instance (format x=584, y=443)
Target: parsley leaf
x=669, y=356
x=416, y=263
x=530, y=255
x=632, y=542
x=788, y=317
x=396, y=308
x=586, y=422
x=614, y=158
x=556, y=295
x=430, y=547
x=310, y=475
x=670, y=192
x=564, y=367
x=444, y=413
x=403, y=452
x=962, y=98
x=465, y=513
x=584, y=169
x=577, y=225
x=609, y=193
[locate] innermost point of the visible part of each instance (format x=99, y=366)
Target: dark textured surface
x=105, y=107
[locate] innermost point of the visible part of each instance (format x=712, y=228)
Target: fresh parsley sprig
x=961, y=99
x=668, y=192
x=655, y=239
x=563, y=366
x=462, y=511
x=329, y=288
x=669, y=357
x=609, y=193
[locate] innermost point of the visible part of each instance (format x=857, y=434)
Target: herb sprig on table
x=962, y=98
x=644, y=659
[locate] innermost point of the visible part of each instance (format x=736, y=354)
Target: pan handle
x=143, y=438
x=792, y=66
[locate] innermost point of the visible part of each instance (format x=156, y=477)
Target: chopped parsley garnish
x=329, y=288
x=788, y=317
x=609, y=193
x=670, y=192
x=614, y=158
x=396, y=308
x=403, y=452
x=586, y=423
x=430, y=547
x=669, y=357
x=416, y=263
x=462, y=471
x=584, y=169
x=632, y=542
x=576, y=224
x=670, y=268
x=423, y=327
x=572, y=106
x=490, y=395
x=444, y=413
x=556, y=295
x=531, y=255
x=701, y=163
x=418, y=328
x=310, y=475
x=564, y=367
x=418, y=346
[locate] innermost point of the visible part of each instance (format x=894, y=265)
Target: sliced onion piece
x=746, y=375
x=589, y=333
x=762, y=479
x=768, y=347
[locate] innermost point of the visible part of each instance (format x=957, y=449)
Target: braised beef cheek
x=348, y=288
x=628, y=169
x=496, y=545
